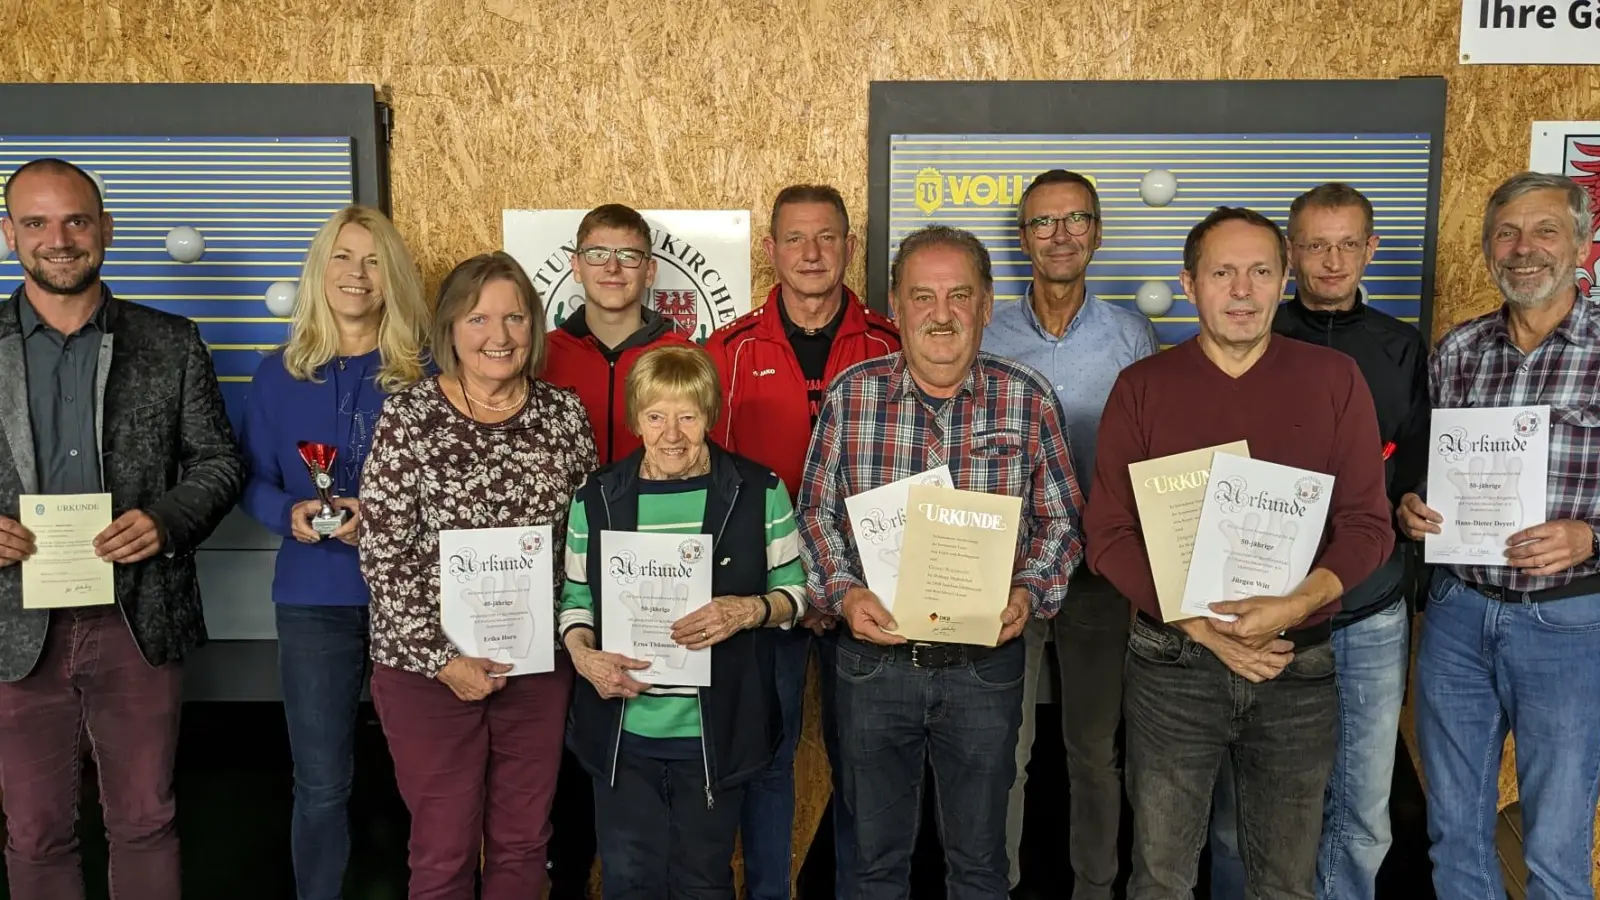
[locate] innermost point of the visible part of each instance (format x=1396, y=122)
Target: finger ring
x=704, y=634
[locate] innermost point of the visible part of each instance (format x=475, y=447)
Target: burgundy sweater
x=1299, y=405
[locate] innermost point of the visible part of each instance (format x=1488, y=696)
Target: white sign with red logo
x=1573, y=149
x=702, y=263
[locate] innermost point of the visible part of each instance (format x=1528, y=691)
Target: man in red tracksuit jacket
x=775, y=362
x=595, y=347
x=591, y=352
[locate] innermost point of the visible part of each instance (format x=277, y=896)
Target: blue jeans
x=322, y=661
x=1487, y=667
x=895, y=718
x=767, y=826
x=1371, y=657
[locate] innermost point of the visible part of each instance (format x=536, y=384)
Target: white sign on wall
x=1554, y=32
x=702, y=263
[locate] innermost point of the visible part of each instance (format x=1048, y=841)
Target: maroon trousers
x=476, y=777
x=90, y=685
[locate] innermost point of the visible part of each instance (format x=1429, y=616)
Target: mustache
x=953, y=325
x=1535, y=258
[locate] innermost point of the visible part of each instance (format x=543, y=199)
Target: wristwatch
x=1596, y=546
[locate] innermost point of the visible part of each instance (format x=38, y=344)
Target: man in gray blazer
x=99, y=395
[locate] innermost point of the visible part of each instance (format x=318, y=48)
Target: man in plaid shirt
x=1517, y=646
x=997, y=425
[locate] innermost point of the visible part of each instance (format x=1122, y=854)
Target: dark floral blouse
x=432, y=468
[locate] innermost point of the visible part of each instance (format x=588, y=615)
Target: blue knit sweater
x=339, y=407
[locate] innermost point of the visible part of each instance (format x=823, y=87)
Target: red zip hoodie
x=766, y=415
x=576, y=359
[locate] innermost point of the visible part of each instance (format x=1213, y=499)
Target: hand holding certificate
x=1170, y=493
x=956, y=565
x=648, y=582
x=1487, y=471
x=64, y=570
x=1260, y=529
x=496, y=595
x=878, y=521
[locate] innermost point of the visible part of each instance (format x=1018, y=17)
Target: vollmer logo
x=934, y=189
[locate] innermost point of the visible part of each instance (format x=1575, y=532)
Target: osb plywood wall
x=719, y=103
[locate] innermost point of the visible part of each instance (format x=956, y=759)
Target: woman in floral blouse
x=482, y=445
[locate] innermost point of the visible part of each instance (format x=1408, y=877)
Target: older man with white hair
x=1515, y=646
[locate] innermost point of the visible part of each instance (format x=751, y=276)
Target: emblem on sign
x=679, y=307
x=929, y=190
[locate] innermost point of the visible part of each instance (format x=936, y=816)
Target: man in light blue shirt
x=1080, y=343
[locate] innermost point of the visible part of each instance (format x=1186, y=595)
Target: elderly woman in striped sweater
x=670, y=763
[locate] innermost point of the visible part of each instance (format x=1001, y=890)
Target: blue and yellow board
x=975, y=181
x=257, y=201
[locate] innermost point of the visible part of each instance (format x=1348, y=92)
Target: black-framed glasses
x=1077, y=223
x=627, y=257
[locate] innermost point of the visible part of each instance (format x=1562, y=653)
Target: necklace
x=486, y=405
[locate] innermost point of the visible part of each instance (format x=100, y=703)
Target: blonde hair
x=313, y=339
x=459, y=293
x=674, y=371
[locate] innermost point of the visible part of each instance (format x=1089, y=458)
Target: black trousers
x=572, y=837
x=660, y=836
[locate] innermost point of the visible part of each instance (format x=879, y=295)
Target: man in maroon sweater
x=1259, y=688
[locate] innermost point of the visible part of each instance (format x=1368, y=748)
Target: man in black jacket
x=1332, y=241
x=98, y=396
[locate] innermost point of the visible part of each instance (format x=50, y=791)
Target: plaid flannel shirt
x=1001, y=433
x=1477, y=365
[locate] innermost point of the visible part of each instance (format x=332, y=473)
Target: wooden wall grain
x=719, y=103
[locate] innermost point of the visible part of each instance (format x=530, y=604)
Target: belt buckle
x=937, y=659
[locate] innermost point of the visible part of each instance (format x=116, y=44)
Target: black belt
x=937, y=656
x=1309, y=636
x=1578, y=588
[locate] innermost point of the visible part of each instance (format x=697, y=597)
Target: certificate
x=497, y=595
x=878, y=520
x=648, y=582
x=1260, y=530
x=1487, y=471
x=64, y=570
x=1169, y=493
x=955, y=568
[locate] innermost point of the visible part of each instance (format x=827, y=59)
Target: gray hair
x=1527, y=182
x=942, y=236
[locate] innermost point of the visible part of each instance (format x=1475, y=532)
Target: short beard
x=1535, y=298
x=78, y=285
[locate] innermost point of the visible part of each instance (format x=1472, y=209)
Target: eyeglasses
x=627, y=257
x=1045, y=226
x=1346, y=247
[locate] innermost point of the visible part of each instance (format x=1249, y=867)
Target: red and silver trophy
x=319, y=462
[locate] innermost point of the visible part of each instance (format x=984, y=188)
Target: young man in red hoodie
x=593, y=350
x=775, y=363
